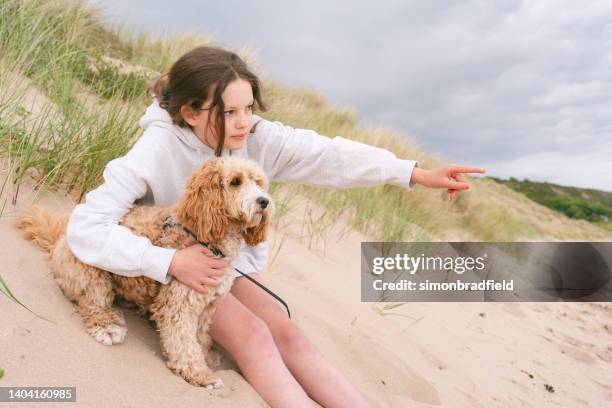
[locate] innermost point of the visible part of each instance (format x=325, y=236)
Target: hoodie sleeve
x=299, y=155
x=93, y=232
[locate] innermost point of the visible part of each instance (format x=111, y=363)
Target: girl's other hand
x=196, y=267
x=449, y=177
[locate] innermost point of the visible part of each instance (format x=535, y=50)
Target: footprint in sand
x=396, y=376
x=395, y=380
x=573, y=348
x=577, y=354
x=605, y=389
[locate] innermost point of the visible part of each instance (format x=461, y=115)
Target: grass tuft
x=72, y=91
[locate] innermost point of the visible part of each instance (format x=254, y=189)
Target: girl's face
x=238, y=114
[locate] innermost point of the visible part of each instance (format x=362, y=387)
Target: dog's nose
x=263, y=202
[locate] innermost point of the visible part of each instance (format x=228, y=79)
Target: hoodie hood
x=156, y=116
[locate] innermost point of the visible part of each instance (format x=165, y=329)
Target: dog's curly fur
x=224, y=202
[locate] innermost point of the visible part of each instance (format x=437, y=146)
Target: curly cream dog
x=224, y=202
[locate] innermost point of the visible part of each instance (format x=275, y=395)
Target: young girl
x=204, y=108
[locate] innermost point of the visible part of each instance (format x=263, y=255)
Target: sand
x=416, y=355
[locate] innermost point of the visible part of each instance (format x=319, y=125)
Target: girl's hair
x=194, y=76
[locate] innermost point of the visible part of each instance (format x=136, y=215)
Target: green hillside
x=578, y=203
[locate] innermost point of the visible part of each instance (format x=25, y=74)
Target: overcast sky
x=522, y=88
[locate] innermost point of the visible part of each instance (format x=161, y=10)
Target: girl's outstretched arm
x=301, y=155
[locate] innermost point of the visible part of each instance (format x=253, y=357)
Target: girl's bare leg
x=322, y=381
x=249, y=341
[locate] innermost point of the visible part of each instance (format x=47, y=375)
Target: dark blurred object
x=578, y=270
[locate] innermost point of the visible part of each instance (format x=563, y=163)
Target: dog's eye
x=235, y=181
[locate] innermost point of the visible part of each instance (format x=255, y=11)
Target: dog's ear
x=202, y=207
x=255, y=235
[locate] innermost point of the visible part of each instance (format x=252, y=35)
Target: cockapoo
x=224, y=203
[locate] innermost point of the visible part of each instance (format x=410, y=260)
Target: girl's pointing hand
x=449, y=177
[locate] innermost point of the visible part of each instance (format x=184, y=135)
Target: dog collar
x=170, y=222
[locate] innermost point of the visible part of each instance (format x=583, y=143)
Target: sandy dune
x=416, y=355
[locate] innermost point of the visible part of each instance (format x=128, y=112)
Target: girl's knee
x=253, y=337
x=258, y=334
x=291, y=339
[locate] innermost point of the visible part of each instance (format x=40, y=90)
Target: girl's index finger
x=465, y=169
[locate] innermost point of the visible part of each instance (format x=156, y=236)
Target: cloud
x=502, y=84
x=588, y=169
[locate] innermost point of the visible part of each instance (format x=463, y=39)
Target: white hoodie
x=156, y=169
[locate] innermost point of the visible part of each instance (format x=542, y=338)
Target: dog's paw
x=215, y=383
x=109, y=335
x=203, y=379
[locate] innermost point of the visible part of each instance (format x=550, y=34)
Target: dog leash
x=217, y=252
x=169, y=222
x=274, y=295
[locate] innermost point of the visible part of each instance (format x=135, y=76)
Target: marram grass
x=91, y=83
